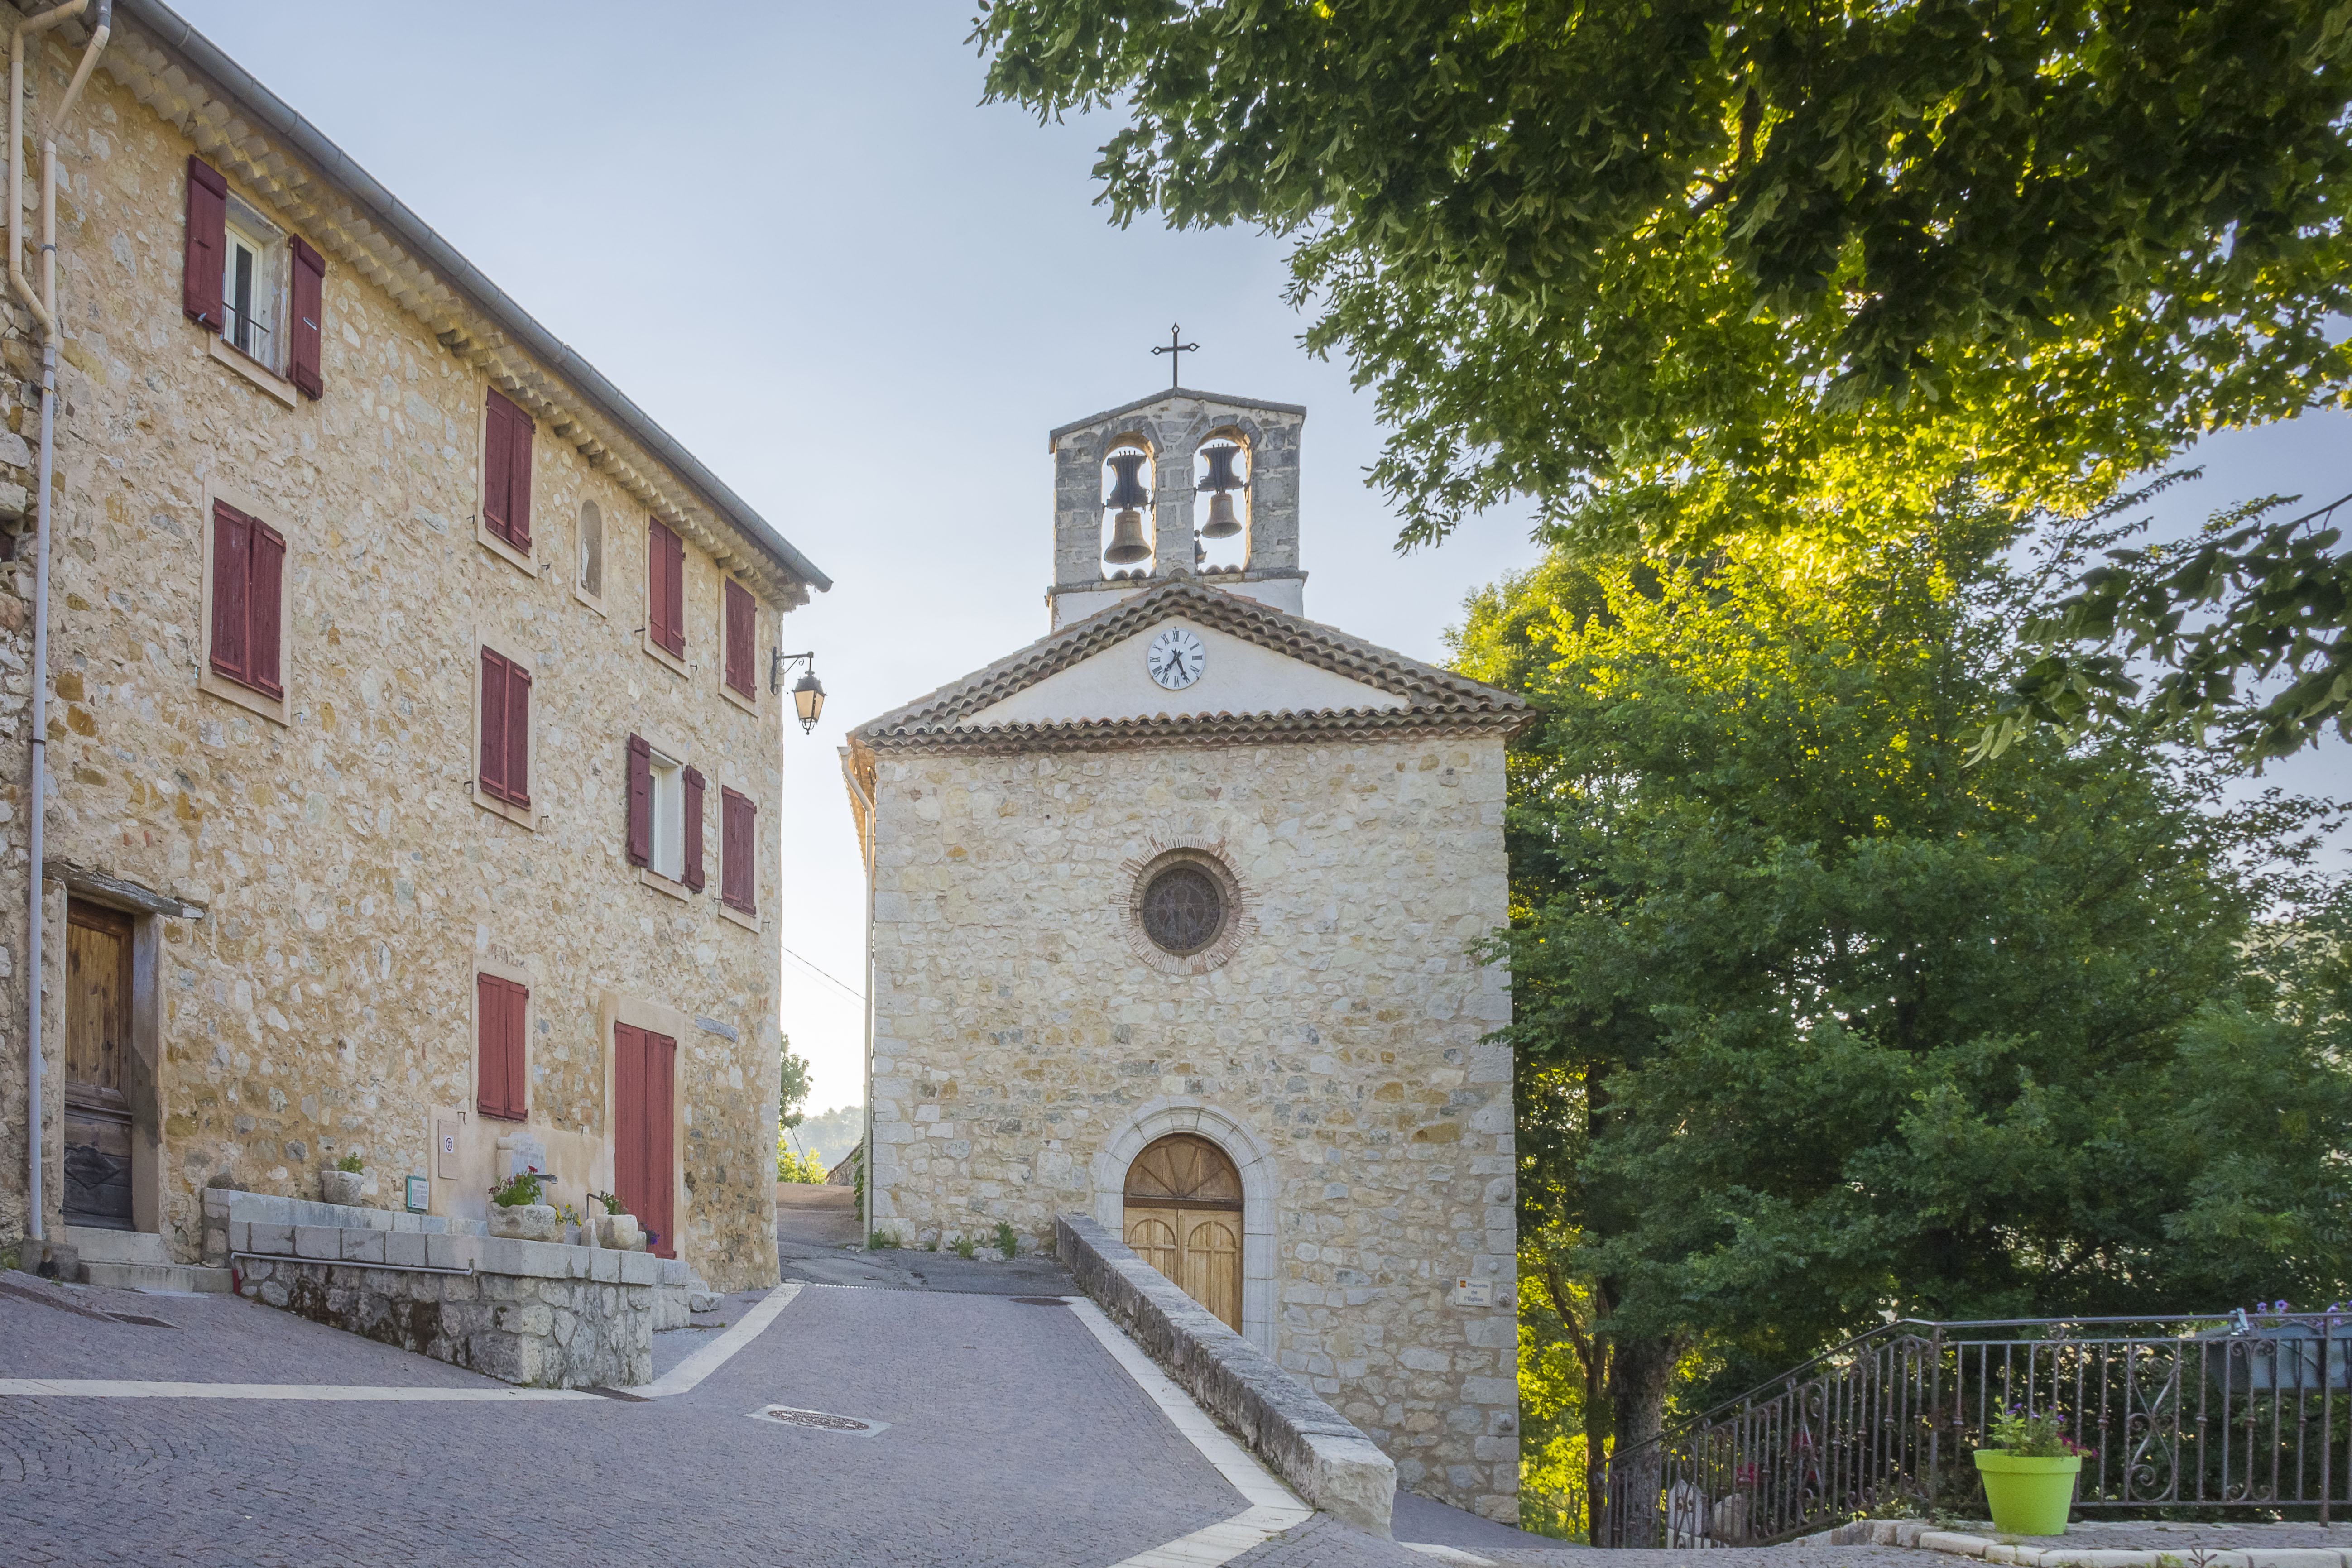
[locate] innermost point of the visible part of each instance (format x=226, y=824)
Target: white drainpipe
x=43, y=306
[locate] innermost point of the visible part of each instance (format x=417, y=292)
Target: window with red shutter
x=232, y=590
x=506, y=729
x=742, y=633
x=309, y=310
x=640, y=802
x=690, y=873
x=248, y=601
x=738, y=862
x=500, y=460
x=501, y=1010
x=206, y=244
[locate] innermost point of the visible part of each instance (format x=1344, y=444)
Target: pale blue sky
x=791, y=235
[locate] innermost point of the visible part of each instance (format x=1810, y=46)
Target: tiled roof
x=1435, y=699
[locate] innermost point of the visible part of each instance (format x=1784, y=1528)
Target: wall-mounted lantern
x=808, y=692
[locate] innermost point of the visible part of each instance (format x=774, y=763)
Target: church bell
x=1222, y=523
x=1128, y=544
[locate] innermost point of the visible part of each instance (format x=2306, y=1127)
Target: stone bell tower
x=1177, y=431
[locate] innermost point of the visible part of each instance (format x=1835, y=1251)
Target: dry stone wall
x=352, y=885
x=1019, y=1029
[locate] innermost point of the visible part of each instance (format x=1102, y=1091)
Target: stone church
x=1170, y=918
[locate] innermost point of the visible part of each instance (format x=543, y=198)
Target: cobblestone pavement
x=1013, y=1439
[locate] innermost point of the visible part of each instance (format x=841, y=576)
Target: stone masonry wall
x=1017, y=1033
x=352, y=883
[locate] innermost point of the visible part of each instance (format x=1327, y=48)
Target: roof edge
x=1054, y=437
x=174, y=32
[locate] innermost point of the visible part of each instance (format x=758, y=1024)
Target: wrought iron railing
x=2234, y=1411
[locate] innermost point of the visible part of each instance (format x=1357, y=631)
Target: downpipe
x=42, y=305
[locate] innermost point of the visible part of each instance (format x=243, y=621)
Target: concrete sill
x=215, y=685
x=727, y=911
x=662, y=884
x=254, y=371
x=677, y=665
x=522, y=816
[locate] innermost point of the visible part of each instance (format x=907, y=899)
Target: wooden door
x=98, y=1049
x=1183, y=1217
x=645, y=1153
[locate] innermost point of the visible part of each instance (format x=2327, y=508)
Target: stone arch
x=1252, y=1158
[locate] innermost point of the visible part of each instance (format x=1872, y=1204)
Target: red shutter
x=494, y=724
x=498, y=465
x=309, y=310
x=517, y=751
x=641, y=802
x=629, y=1183
x=742, y=632
x=518, y=1013
x=691, y=873
x=232, y=585
x=676, y=594
x=519, y=478
x=657, y=583
x=490, y=1037
x=265, y=608
x=738, y=864
x=206, y=244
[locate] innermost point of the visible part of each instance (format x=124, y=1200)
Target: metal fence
x=2234, y=1411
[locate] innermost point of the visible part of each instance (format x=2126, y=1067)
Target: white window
x=252, y=273
x=669, y=817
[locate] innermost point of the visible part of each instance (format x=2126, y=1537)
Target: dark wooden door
x=1184, y=1214
x=98, y=1049
x=644, y=1152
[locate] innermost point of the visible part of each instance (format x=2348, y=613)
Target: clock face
x=1176, y=659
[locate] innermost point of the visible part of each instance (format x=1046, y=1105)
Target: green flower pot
x=2030, y=1496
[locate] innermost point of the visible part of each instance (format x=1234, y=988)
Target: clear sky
x=790, y=232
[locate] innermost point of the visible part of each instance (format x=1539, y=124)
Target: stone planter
x=619, y=1232
x=340, y=1188
x=527, y=1222
x=2028, y=1494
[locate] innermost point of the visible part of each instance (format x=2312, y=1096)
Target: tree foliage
x=791, y=1085
x=1710, y=256
x=1814, y=1022
x=1681, y=269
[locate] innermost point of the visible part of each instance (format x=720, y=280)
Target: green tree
x=791, y=1085
x=1683, y=270
x=1814, y=1022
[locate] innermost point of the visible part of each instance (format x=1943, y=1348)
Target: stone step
x=181, y=1277
x=98, y=1244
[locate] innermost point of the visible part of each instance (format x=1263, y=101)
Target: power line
x=805, y=964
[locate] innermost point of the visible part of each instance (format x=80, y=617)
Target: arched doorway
x=1183, y=1217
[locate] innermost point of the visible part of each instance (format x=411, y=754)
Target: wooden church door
x=98, y=1049
x=645, y=1157
x=1183, y=1210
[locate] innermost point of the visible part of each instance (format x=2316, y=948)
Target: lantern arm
x=808, y=692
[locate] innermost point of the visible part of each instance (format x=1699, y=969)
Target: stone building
x=412, y=740
x=1170, y=922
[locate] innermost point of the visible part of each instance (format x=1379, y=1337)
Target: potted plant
x=340, y=1182
x=517, y=1213
x=616, y=1227
x=2028, y=1467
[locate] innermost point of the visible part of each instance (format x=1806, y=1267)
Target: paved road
x=1013, y=1439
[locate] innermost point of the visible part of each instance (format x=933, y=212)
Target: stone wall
x=1331, y=1464
x=351, y=882
x=1022, y=1032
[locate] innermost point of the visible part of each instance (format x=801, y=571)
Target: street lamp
x=808, y=692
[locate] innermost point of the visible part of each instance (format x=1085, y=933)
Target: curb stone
x=1918, y=1536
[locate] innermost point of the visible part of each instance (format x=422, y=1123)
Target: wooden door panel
x=98, y=995
x=661, y=1109
x=645, y=1155
x=1152, y=1233
x=1211, y=1262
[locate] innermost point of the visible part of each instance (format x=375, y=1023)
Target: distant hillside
x=831, y=1135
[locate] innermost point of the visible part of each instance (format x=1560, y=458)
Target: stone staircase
x=138, y=1260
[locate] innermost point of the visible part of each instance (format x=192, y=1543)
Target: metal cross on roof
x=1178, y=347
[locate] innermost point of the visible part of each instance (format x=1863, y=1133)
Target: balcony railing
x=2235, y=1411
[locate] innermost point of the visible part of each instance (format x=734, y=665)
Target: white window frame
x=668, y=858
x=248, y=232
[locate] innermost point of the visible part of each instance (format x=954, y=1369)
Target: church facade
x=1171, y=915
